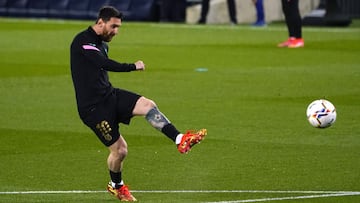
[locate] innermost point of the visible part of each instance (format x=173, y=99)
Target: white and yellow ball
x=321, y=113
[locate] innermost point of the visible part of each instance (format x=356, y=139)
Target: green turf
x=252, y=100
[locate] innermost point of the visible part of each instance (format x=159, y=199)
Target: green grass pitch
x=252, y=99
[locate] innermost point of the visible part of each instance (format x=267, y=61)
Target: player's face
x=110, y=29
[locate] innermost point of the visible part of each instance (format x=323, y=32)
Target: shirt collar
x=94, y=35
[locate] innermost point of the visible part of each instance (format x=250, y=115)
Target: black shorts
x=105, y=117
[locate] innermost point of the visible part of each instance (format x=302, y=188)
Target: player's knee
x=121, y=153
x=149, y=104
x=143, y=106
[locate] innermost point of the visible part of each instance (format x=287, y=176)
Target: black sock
x=116, y=178
x=170, y=131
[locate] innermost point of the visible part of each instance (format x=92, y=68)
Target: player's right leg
x=116, y=186
x=123, y=193
x=103, y=121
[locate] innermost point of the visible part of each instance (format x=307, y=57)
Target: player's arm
x=111, y=65
x=95, y=56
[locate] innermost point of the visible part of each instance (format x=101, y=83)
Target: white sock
x=178, y=138
x=114, y=184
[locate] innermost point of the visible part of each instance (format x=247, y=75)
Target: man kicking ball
x=102, y=107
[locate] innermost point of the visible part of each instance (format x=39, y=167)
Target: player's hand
x=140, y=65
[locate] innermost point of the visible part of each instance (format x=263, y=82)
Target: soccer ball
x=321, y=113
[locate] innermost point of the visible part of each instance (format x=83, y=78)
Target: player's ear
x=100, y=22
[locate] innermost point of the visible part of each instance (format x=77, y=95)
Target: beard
x=107, y=37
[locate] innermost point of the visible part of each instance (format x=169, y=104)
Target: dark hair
x=107, y=12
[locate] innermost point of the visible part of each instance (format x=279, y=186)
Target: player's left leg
x=146, y=107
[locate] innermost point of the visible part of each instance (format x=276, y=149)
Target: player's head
x=108, y=22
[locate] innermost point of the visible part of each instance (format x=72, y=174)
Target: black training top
x=89, y=66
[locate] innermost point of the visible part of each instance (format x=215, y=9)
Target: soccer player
x=293, y=23
x=102, y=107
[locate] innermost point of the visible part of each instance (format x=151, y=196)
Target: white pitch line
x=51, y=192
x=245, y=191
x=182, y=191
x=289, y=198
x=317, y=194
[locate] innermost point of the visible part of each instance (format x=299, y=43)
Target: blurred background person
x=293, y=23
x=172, y=10
x=205, y=8
x=260, y=14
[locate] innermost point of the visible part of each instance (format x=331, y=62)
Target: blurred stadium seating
x=338, y=13
x=135, y=10
x=333, y=13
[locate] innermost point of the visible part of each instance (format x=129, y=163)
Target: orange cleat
x=299, y=42
x=292, y=42
x=122, y=193
x=287, y=42
x=190, y=139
